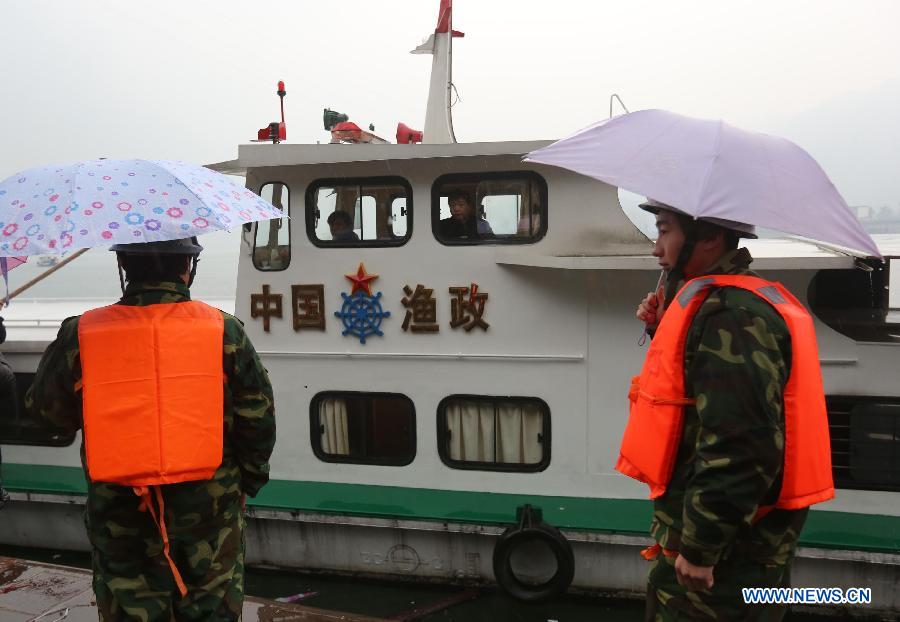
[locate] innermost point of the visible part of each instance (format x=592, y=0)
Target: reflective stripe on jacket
x=658, y=397
x=152, y=392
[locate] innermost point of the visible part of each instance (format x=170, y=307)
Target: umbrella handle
x=660, y=293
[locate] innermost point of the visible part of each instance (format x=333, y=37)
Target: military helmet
x=743, y=230
x=183, y=246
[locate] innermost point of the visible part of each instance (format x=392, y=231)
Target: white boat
x=484, y=374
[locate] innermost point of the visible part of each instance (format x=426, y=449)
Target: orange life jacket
x=658, y=397
x=153, y=398
x=152, y=392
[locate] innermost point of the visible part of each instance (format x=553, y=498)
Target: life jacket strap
x=652, y=552
x=672, y=401
x=761, y=512
x=634, y=391
x=147, y=506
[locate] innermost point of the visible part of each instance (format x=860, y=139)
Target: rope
x=147, y=505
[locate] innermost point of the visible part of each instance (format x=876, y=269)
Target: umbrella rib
x=712, y=165
x=72, y=187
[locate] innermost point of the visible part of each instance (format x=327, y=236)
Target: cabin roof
x=266, y=155
x=768, y=254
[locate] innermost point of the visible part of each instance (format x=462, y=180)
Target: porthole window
x=865, y=442
x=17, y=428
x=489, y=208
x=272, y=242
x=359, y=212
x=363, y=428
x=494, y=433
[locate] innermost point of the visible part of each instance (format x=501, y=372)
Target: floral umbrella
x=7, y=264
x=55, y=209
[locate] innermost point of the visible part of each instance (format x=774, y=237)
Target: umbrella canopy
x=8, y=263
x=711, y=169
x=54, y=209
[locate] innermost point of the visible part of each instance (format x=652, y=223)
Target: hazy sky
x=193, y=79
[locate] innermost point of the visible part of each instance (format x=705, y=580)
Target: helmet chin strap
x=121, y=275
x=194, y=261
x=676, y=274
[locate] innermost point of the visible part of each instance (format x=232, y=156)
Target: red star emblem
x=361, y=280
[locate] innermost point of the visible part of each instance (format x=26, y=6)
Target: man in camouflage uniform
x=204, y=519
x=7, y=401
x=730, y=458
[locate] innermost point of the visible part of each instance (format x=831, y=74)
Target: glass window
x=490, y=208
x=865, y=442
x=858, y=302
x=359, y=212
x=272, y=243
x=363, y=428
x=17, y=428
x=494, y=433
x=398, y=216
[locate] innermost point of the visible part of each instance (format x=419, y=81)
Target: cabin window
x=17, y=428
x=272, y=243
x=489, y=208
x=494, y=433
x=865, y=442
x=858, y=302
x=359, y=212
x=363, y=428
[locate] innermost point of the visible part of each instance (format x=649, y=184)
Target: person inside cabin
x=463, y=222
x=389, y=230
x=734, y=359
x=7, y=401
x=341, y=226
x=178, y=426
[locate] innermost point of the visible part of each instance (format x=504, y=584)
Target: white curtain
x=471, y=427
x=507, y=434
x=333, y=422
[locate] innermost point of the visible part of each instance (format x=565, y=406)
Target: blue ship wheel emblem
x=361, y=312
x=362, y=315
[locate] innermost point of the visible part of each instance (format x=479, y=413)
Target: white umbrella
x=711, y=169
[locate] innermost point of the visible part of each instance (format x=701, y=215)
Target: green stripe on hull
x=834, y=530
x=44, y=478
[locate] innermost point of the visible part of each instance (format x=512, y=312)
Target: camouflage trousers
x=667, y=601
x=133, y=580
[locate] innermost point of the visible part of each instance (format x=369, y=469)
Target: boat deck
x=38, y=592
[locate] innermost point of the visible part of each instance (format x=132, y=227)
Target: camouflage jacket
x=7, y=380
x=729, y=462
x=248, y=413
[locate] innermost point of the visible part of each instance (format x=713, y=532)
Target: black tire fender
x=533, y=531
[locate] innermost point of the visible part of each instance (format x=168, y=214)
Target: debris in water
x=418, y=613
x=295, y=597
